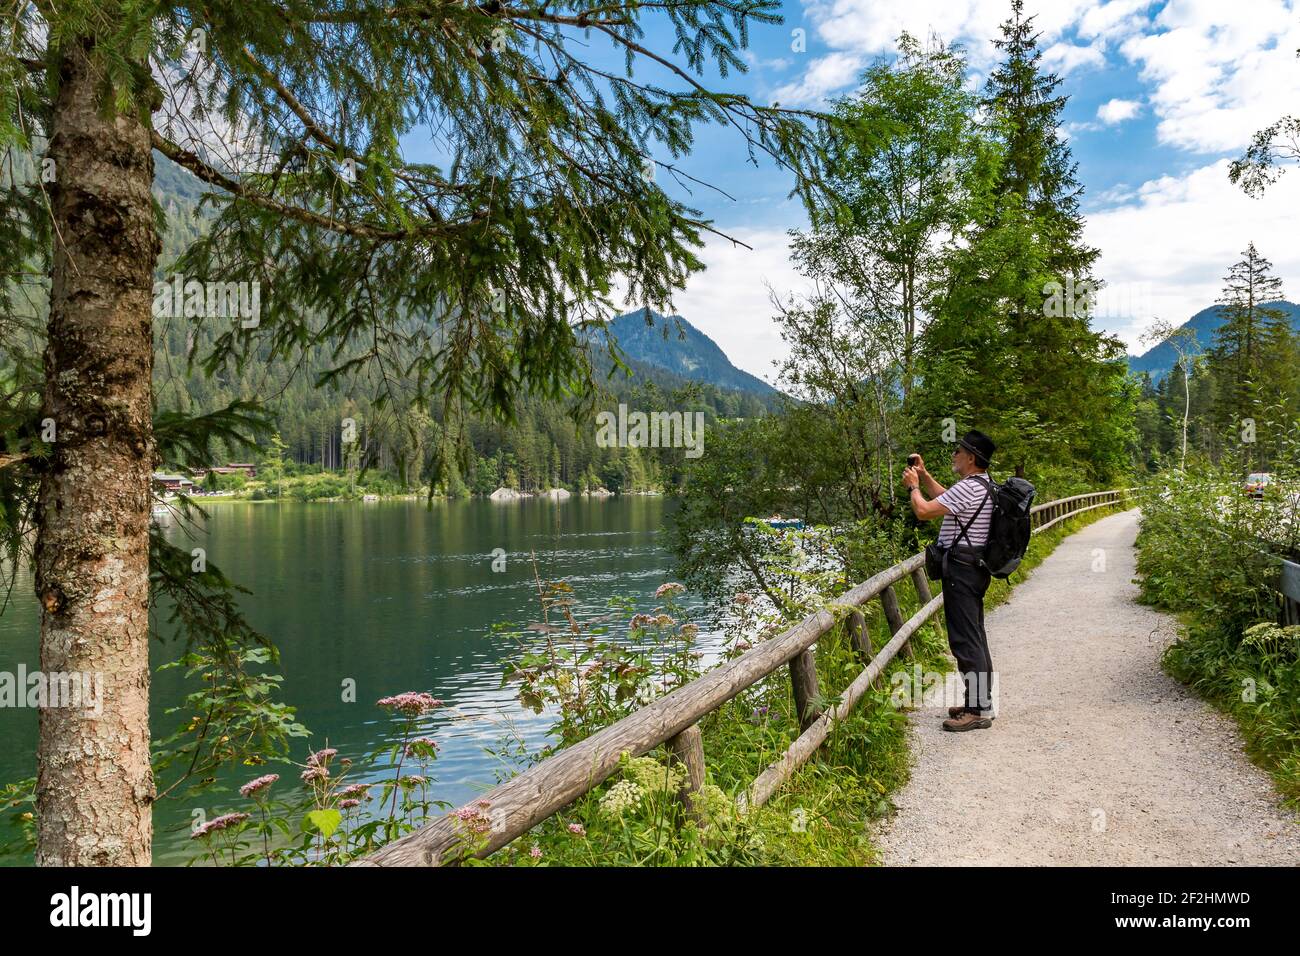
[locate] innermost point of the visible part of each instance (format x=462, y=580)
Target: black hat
x=980, y=445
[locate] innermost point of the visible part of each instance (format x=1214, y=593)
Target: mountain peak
x=673, y=344
x=1161, y=358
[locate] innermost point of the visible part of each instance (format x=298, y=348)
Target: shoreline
x=375, y=499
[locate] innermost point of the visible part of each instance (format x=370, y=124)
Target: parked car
x=1256, y=482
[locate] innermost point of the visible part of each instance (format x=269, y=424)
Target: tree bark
x=94, y=782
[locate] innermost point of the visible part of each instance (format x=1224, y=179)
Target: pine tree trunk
x=94, y=782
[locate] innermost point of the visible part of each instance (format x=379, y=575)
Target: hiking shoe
x=967, y=721
x=955, y=712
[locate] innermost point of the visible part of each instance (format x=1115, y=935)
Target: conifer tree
x=1038, y=167
x=1251, y=360
x=1011, y=349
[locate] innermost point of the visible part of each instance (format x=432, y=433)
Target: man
x=966, y=509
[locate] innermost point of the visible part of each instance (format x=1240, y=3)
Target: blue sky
x=1162, y=96
x=1113, y=155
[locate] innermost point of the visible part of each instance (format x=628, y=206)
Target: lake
x=391, y=595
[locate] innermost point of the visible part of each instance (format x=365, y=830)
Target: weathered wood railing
x=1289, y=593
x=519, y=804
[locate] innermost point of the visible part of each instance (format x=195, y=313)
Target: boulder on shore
x=556, y=494
x=601, y=492
x=505, y=494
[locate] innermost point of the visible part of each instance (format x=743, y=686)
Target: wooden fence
x=1289, y=593
x=519, y=804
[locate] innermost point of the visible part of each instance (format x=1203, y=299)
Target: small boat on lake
x=776, y=521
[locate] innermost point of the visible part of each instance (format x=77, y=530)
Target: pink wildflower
x=321, y=757
x=411, y=703
x=473, y=818
x=422, y=746
x=261, y=783
x=218, y=823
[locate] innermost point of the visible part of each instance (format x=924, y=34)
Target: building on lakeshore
x=173, y=484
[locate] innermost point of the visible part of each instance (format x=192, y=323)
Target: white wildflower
x=650, y=775
x=618, y=799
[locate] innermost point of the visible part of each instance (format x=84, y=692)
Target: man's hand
x=925, y=510
x=923, y=479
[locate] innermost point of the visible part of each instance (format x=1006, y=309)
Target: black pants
x=964, y=586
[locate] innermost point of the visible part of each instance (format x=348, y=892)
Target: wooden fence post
x=922, y=587
x=803, y=679
x=923, y=595
x=860, y=636
x=894, y=616
x=687, y=749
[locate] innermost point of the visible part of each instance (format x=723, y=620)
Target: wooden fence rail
x=519, y=804
x=1289, y=593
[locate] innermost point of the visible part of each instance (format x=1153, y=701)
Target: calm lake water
x=395, y=597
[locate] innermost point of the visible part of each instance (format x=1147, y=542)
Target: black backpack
x=1009, y=528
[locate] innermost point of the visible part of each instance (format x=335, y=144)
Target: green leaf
x=324, y=822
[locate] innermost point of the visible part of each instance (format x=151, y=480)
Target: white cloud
x=826, y=75
x=871, y=27
x=757, y=62
x=1117, y=111
x=1117, y=19
x=1064, y=58
x=1166, y=250
x=1165, y=245
x=857, y=30
x=1218, y=70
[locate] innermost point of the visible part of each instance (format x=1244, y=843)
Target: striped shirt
x=962, y=500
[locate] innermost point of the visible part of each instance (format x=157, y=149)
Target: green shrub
x=1204, y=550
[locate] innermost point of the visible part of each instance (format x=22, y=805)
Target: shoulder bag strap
x=988, y=493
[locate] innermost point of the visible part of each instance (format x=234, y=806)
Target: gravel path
x=1096, y=757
